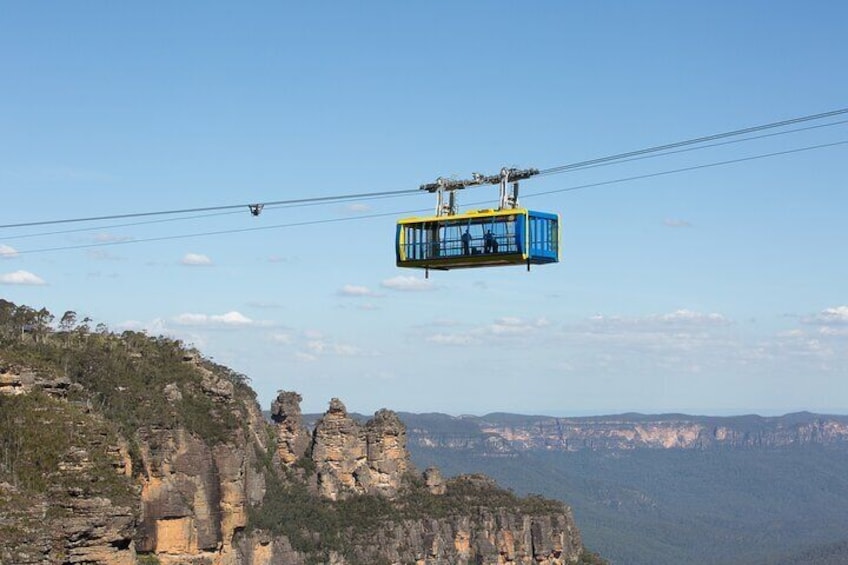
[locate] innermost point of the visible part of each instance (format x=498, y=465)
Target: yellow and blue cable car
x=448, y=240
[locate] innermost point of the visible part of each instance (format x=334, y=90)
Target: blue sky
x=720, y=290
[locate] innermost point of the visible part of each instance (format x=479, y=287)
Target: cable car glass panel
x=478, y=239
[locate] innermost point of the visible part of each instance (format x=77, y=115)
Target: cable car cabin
x=482, y=238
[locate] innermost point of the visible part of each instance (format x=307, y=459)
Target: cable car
x=509, y=235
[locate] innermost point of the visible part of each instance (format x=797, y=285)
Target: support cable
x=364, y=196
x=395, y=214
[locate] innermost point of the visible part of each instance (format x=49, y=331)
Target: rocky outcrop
x=434, y=482
x=354, y=459
x=293, y=438
x=387, y=459
x=16, y=379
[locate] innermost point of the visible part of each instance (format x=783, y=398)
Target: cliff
x=508, y=434
x=132, y=449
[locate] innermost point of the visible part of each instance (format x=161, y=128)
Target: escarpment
x=132, y=449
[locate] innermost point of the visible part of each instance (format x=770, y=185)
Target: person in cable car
x=490, y=244
x=466, y=243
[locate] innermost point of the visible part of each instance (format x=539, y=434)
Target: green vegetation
x=50, y=452
x=590, y=558
x=317, y=526
x=134, y=380
x=46, y=442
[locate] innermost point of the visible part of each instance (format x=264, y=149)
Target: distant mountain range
x=670, y=488
x=502, y=433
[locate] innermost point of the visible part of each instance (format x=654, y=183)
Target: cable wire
x=688, y=149
x=395, y=214
x=365, y=196
x=656, y=148
x=692, y=168
x=319, y=199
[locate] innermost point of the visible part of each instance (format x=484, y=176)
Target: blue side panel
x=544, y=237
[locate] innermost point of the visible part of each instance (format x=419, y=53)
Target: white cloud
x=678, y=318
x=7, y=251
x=452, y=339
x=346, y=350
x=791, y=333
x=690, y=317
x=676, y=223
x=284, y=339
x=510, y=326
x=507, y=328
x=196, y=260
x=356, y=291
x=407, y=283
x=155, y=327
x=316, y=346
x=21, y=277
x=233, y=318
x=832, y=316
x=229, y=319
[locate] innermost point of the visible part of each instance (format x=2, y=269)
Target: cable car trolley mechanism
x=509, y=235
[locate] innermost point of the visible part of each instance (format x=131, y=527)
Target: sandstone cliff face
x=76, y=530
x=482, y=537
x=189, y=496
x=16, y=379
x=195, y=496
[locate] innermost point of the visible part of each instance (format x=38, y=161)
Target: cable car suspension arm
x=503, y=179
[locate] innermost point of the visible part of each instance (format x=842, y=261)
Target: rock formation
x=353, y=459
x=292, y=436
